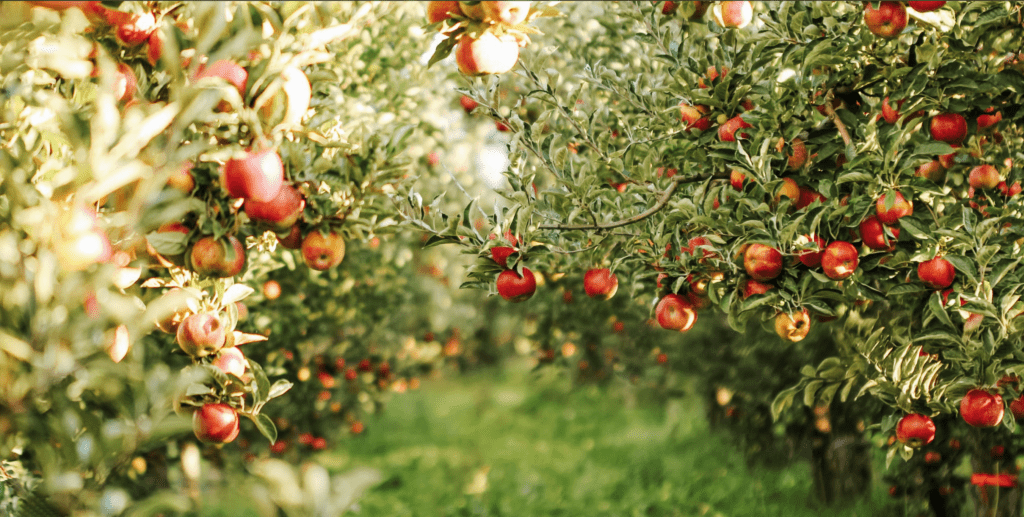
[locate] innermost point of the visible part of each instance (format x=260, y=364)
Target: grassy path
x=503, y=445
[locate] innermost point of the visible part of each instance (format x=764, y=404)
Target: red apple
x=986, y=121
x=437, y=11
x=840, y=260
x=181, y=178
x=675, y=313
x=695, y=116
x=948, y=127
x=229, y=71
x=808, y=196
x=793, y=327
x=500, y=254
x=669, y=8
x=215, y=423
x=201, y=334
x=983, y=177
x=789, y=189
x=752, y=287
x=981, y=408
x=126, y=84
x=900, y=207
x=155, y=47
x=322, y=252
x=873, y=234
x=231, y=360
x=600, y=283
x=511, y=13
x=915, y=430
x=1017, y=407
x=727, y=131
x=487, y=54
x=949, y=160
x=293, y=240
x=762, y=262
x=515, y=288
x=890, y=114
x=733, y=14
x=933, y=170
x=220, y=258
x=136, y=29
x=812, y=257
x=923, y=7
x=468, y=103
x=256, y=175
x=887, y=21
x=736, y=179
x=937, y=273
x=280, y=213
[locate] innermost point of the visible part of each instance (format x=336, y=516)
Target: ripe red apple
x=600, y=283
x=887, y=21
x=201, y=334
x=515, y=288
x=293, y=239
x=798, y=158
x=468, y=103
x=675, y=313
x=1017, y=407
x=752, y=287
x=228, y=70
x=511, y=13
x=981, y=408
x=793, y=327
x=736, y=179
x=155, y=47
x=933, y=170
x=915, y=430
x=923, y=7
x=948, y=127
x=695, y=116
x=900, y=208
x=231, y=360
x=256, y=175
x=762, y=262
x=280, y=213
x=437, y=11
x=983, y=177
x=840, y=260
x=135, y=30
x=126, y=84
x=733, y=15
x=220, y=258
x=789, y=189
x=937, y=273
x=986, y=121
x=669, y=8
x=727, y=131
x=949, y=160
x=487, y=54
x=873, y=234
x=812, y=257
x=215, y=423
x=500, y=254
x=890, y=114
x=322, y=252
x=808, y=196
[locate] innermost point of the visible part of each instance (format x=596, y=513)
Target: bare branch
x=662, y=201
x=835, y=119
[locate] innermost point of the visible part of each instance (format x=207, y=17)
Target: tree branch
x=835, y=119
x=662, y=201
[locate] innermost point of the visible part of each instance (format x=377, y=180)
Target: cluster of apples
x=512, y=285
x=979, y=407
x=494, y=48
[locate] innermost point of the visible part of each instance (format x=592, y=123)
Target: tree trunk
x=840, y=465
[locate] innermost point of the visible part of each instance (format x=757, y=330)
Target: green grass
x=503, y=444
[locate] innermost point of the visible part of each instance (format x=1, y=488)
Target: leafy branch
x=662, y=201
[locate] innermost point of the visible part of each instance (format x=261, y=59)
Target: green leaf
x=280, y=387
x=935, y=304
x=266, y=427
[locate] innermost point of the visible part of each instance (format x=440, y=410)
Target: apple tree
x=806, y=161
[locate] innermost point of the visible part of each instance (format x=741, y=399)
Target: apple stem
x=662, y=201
x=835, y=119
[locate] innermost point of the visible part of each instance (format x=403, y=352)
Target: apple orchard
x=216, y=217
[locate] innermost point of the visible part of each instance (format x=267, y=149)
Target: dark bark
x=840, y=465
